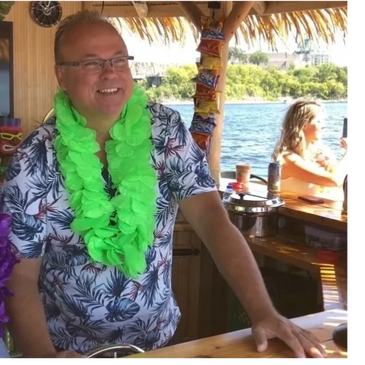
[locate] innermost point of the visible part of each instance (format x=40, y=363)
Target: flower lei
x=117, y=231
x=322, y=156
x=7, y=262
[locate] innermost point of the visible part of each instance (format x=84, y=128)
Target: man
x=102, y=292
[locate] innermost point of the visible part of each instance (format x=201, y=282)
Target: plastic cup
x=243, y=173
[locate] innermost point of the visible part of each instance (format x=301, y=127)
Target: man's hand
x=301, y=341
x=65, y=356
x=343, y=142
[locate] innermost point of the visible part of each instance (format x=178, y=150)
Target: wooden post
x=235, y=18
x=260, y=7
x=216, y=140
x=192, y=12
x=141, y=8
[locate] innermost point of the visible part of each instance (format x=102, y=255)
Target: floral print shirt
x=88, y=304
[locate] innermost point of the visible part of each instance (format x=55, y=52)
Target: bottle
x=344, y=128
x=346, y=202
x=274, y=178
x=229, y=190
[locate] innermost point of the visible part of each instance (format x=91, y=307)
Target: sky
x=143, y=52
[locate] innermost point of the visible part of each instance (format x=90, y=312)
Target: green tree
x=336, y=90
x=305, y=74
x=237, y=55
x=5, y=7
x=326, y=72
x=257, y=58
x=326, y=82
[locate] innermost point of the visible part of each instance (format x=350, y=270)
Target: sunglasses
x=9, y=136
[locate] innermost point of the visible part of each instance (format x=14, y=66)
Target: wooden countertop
x=240, y=344
x=328, y=214
x=333, y=276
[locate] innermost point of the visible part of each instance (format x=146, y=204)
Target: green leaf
x=5, y=7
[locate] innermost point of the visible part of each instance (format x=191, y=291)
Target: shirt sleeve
x=23, y=196
x=187, y=171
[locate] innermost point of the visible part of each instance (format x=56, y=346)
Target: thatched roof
x=4, y=49
x=165, y=21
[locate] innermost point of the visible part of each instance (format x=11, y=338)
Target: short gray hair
x=81, y=17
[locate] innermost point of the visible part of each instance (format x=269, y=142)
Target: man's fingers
x=260, y=339
x=315, y=342
x=314, y=352
x=311, y=348
x=287, y=335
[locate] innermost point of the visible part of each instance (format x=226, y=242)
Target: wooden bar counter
x=204, y=296
x=240, y=344
x=328, y=214
x=288, y=245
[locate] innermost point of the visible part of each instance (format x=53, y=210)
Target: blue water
x=250, y=132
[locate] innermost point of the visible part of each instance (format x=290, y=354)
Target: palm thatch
x=5, y=7
x=4, y=49
x=316, y=25
x=157, y=30
x=165, y=22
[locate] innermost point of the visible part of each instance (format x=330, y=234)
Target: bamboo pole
x=141, y=8
x=192, y=12
x=260, y=7
x=216, y=140
x=235, y=18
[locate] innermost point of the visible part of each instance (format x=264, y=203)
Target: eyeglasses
x=96, y=65
x=9, y=136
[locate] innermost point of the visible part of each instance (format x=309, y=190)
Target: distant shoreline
x=243, y=102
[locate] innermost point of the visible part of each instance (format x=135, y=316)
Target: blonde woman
x=308, y=166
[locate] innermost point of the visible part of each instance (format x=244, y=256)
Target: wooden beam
x=127, y=10
x=192, y=12
x=87, y=5
x=155, y=11
x=141, y=8
x=235, y=18
x=276, y=7
x=260, y=7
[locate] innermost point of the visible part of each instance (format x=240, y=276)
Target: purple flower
x=7, y=262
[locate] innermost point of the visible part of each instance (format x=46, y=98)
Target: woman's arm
x=295, y=166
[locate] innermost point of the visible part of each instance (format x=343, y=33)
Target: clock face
x=46, y=13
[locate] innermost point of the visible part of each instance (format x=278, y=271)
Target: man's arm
x=233, y=257
x=21, y=199
x=229, y=250
x=27, y=325
x=199, y=201
x=27, y=319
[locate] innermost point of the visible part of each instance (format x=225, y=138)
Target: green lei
x=117, y=231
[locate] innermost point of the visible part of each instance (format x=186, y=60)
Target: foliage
x=257, y=58
x=237, y=55
x=245, y=81
x=5, y=7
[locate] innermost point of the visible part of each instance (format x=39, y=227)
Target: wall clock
x=46, y=13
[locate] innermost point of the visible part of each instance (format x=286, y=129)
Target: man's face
x=102, y=93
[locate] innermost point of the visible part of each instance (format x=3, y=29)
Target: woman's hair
x=292, y=135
